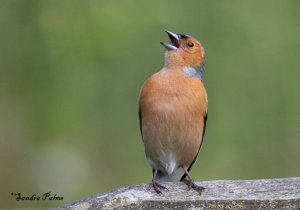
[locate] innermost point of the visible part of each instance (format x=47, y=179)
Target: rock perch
x=236, y=194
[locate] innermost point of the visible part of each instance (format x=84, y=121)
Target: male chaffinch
x=173, y=112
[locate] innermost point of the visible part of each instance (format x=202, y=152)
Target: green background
x=70, y=74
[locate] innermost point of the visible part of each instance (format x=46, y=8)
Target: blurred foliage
x=70, y=73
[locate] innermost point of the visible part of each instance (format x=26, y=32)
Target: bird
x=173, y=113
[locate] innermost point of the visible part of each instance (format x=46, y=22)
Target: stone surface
x=237, y=194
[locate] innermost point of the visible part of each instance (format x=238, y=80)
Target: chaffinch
x=173, y=112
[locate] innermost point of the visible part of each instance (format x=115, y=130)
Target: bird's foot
x=157, y=186
x=191, y=184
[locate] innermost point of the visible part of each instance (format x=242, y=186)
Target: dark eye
x=191, y=44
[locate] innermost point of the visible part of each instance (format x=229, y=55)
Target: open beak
x=174, y=41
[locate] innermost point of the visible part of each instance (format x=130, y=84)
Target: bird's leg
x=155, y=184
x=190, y=183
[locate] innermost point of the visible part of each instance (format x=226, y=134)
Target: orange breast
x=172, y=110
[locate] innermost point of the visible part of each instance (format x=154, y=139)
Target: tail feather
x=174, y=177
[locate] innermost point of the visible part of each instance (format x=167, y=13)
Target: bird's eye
x=191, y=44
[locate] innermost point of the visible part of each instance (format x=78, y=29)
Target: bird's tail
x=175, y=176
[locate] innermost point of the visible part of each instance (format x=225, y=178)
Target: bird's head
x=183, y=51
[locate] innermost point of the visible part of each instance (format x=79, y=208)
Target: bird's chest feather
x=172, y=108
x=172, y=96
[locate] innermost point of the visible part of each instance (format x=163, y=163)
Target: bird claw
x=191, y=184
x=157, y=186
